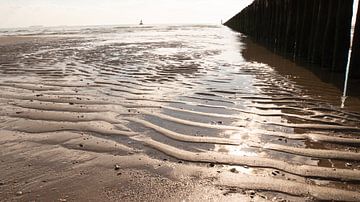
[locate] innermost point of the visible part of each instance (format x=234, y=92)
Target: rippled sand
x=169, y=113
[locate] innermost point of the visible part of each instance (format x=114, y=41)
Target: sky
x=23, y=13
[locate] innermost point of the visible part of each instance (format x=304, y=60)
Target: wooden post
x=283, y=26
x=273, y=18
x=292, y=20
x=305, y=31
x=342, y=35
x=319, y=31
x=300, y=6
x=278, y=25
x=355, y=56
x=328, y=42
x=311, y=36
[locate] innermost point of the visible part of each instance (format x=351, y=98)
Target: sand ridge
x=114, y=117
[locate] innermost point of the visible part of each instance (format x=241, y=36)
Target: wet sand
x=169, y=114
x=10, y=40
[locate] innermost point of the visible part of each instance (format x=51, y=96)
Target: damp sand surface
x=168, y=113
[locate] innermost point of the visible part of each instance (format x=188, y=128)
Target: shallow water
x=202, y=94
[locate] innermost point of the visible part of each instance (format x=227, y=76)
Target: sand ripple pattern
x=187, y=93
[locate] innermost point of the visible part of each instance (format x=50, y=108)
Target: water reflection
x=314, y=82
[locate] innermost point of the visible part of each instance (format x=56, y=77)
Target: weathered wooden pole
x=328, y=42
x=257, y=21
x=281, y=24
x=272, y=30
x=300, y=5
x=277, y=24
x=311, y=36
x=321, y=18
x=291, y=24
x=305, y=31
x=263, y=21
x=355, y=55
x=342, y=35
x=284, y=15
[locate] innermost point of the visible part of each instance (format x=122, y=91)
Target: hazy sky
x=20, y=13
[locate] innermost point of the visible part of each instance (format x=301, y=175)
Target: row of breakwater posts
x=316, y=32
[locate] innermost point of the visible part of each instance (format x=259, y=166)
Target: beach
x=168, y=113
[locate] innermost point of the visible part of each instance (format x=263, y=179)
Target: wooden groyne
x=315, y=32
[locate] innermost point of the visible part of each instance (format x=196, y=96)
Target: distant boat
x=141, y=22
